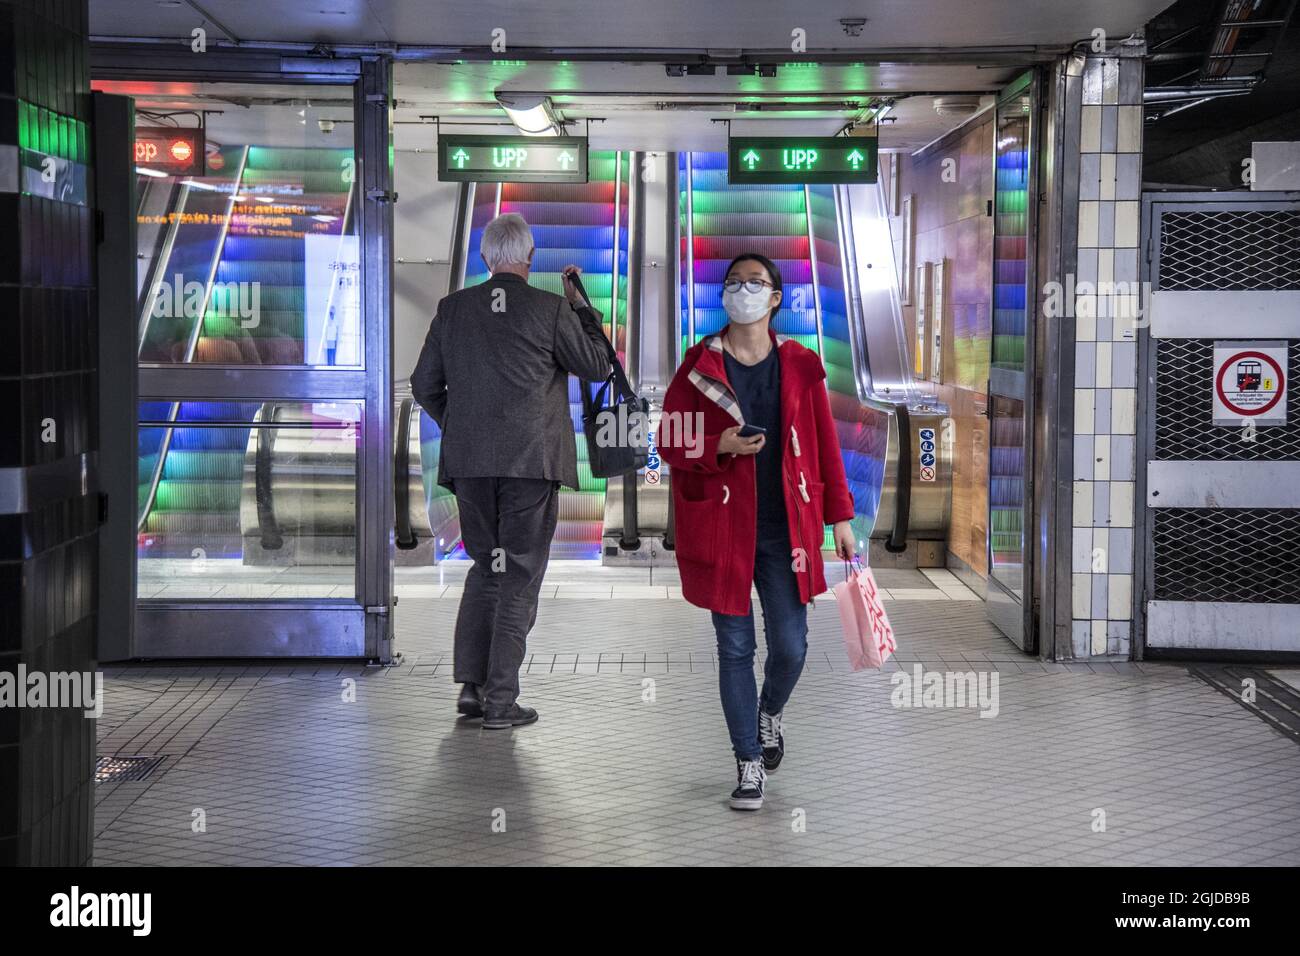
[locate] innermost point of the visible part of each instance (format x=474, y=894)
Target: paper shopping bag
x=868, y=637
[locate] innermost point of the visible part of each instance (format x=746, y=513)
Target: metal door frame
x=358, y=627
x=1007, y=383
x=1154, y=207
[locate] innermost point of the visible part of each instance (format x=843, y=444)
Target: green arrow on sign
x=460, y=156
x=751, y=158
x=564, y=159
x=855, y=158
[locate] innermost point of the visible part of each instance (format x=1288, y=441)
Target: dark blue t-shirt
x=758, y=389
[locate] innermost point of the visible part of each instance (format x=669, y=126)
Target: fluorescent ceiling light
x=264, y=198
x=533, y=114
x=150, y=172
x=195, y=184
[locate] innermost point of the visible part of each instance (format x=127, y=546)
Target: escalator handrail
x=670, y=532
x=160, y=261
x=405, y=535
x=897, y=542
x=460, y=232
x=263, y=490
x=631, y=538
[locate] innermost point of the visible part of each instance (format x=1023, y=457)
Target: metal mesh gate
x=1222, y=558
x=1236, y=555
x=1184, y=427
x=1230, y=250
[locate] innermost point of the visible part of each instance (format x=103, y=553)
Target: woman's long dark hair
x=773, y=273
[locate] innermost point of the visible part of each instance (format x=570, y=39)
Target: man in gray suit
x=494, y=374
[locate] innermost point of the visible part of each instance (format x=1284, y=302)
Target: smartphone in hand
x=751, y=431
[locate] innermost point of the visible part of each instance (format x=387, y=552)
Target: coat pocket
x=696, y=524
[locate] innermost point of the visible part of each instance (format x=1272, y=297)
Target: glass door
x=264, y=462
x=1011, y=374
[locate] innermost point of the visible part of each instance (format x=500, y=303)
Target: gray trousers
x=506, y=525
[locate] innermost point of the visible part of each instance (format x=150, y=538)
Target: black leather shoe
x=470, y=701
x=515, y=716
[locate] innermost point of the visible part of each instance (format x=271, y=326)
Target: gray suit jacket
x=497, y=382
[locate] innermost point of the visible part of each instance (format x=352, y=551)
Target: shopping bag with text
x=868, y=638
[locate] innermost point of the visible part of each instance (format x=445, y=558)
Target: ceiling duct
x=1227, y=54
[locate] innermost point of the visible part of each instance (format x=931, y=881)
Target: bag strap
x=619, y=377
x=616, y=375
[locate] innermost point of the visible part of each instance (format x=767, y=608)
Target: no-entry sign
x=1250, y=383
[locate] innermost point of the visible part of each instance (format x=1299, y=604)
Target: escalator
x=242, y=240
x=841, y=300
x=849, y=314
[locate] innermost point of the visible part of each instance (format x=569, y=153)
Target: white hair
x=506, y=239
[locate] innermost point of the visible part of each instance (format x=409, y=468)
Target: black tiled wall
x=48, y=348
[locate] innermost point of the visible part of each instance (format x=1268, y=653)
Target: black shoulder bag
x=615, y=420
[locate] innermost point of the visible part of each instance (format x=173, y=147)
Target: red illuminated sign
x=176, y=152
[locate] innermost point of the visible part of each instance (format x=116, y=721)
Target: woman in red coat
x=751, y=507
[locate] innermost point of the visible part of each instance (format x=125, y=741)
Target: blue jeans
x=785, y=628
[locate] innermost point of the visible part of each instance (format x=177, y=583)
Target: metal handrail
x=197, y=331
x=618, y=206
x=263, y=481
x=635, y=241
x=812, y=261
x=406, y=538
x=164, y=256
x=460, y=236
x=897, y=542
x=690, y=260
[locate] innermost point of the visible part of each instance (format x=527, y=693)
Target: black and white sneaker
x=750, y=777
x=770, y=739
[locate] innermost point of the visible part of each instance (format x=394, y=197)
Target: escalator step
x=198, y=496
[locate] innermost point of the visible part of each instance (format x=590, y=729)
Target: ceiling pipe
x=994, y=56
x=1164, y=95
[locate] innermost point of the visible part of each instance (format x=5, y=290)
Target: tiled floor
x=630, y=761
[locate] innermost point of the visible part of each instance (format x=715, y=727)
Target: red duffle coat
x=715, y=496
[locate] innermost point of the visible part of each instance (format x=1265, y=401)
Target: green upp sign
x=801, y=159
x=512, y=159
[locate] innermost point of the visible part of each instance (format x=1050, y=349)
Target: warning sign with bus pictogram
x=1250, y=383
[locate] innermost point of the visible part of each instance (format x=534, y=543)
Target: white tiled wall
x=1105, y=359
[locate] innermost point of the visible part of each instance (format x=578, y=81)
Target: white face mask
x=745, y=307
